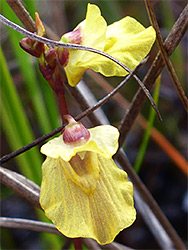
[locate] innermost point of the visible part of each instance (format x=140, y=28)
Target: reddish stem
x=77, y=243
x=63, y=104
x=60, y=92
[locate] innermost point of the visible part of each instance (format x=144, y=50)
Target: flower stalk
x=77, y=243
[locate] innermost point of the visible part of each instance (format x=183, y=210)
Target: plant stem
x=22, y=14
x=77, y=243
x=63, y=104
x=59, y=89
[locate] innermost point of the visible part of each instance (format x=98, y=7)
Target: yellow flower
x=83, y=192
x=126, y=40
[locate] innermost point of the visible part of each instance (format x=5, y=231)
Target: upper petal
x=93, y=35
x=103, y=140
x=129, y=42
x=106, y=138
x=125, y=27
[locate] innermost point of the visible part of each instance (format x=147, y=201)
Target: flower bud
x=39, y=25
x=31, y=46
x=50, y=58
x=63, y=56
x=47, y=63
x=75, y=133
x=46, y=71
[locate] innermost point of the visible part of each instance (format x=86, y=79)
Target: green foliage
x=16, y=125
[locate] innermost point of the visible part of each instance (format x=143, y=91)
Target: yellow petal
x=126, y=40
x=127, y=26
x=100, y=215
x=94, y=35
x=104, y=140
x=129, y=42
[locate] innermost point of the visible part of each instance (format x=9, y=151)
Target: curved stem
x=53, y=43
x=63, y=104
x=60, y=80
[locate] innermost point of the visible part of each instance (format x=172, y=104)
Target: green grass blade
x=13, y=139
x=146, y=136
x=19, y=122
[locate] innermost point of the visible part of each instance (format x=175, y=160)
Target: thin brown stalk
x=170, y=44
x=91, y=245
x=21, y=185
x=28, y=22
x=67, y=243
x=22, y=14
x=115, y=246
x=172, y=73
x=28, y=225
x=39, y=226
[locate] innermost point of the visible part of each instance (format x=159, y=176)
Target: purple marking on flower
x=74, y=36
